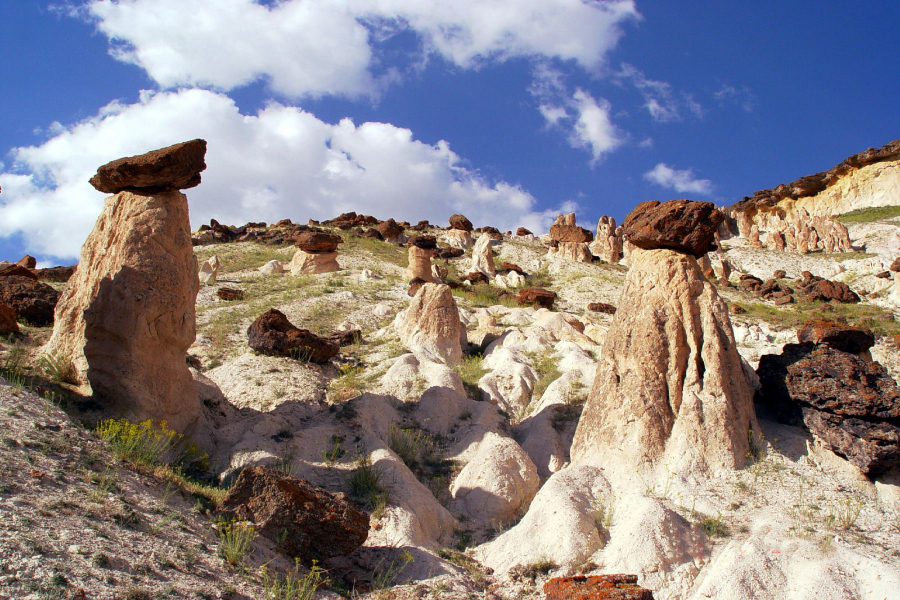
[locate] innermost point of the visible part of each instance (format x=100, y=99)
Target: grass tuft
x=868, y=215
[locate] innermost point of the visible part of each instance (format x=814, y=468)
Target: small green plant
x=235, y=539
x=471, y=370
x=58, y=369
x=714, y=526
x=292, y=586
x=547, y=369
x=143, y=443
x=106, y=483
x=845, y=512
x=333, y=451
x=386, y=574
x=366, y=484
x=409, y=444
x=604, y=511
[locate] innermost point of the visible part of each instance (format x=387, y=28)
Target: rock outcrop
x=837, y=335
x=540, y=297
x=670, y=387
x=126, y=318
x=681, y=225
x=317, y=253
x=32, y=300
x=430, y=327
x=175, y=167
x=483, y=258
x=390, y=231
x=607, y=244
x=460, y=222
x=421, y=250
x=596, y=587
x=570, y=241
x=304, y=521
x=8, y=322
x=271, y=333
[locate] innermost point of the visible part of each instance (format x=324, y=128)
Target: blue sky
x=525, y=108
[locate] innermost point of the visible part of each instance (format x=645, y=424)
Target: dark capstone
x=425, y=242
x=682, y=225
x=175, y=167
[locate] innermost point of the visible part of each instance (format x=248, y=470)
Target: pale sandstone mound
x=209, y=270
x=670, y=386
x=430, y=327
x=483, y=257
x=317, y=253
x=126, y=318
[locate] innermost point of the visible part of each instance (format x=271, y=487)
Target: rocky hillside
x=368, y=408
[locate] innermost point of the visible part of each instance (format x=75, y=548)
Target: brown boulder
x=389, y=229
x=346, y=338
x=32, y=300
x=372, y=233
x=565, y=230
x=306, y=522
x=681, y=225
x=837, y=335
x=522, y=231
x=271, y=333
x=8, y=322
x=450, y=252
x=414, y=286
x=541, y=297
x=895, y=266
x=510, y=267
x=596, y=587
x=475, y=277
x=460, y=222
x=602, y=307
x=424, y=242
x=57, y=274
x=29, y=262
x=315, y=242
x=175, y=167
x=849, y=403
x=230, y=294
x=10, y=269
x=826, y=291
x=883, y=275
x=779, y=274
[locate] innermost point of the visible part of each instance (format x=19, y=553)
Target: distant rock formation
x=32, y=300
x=430, y=327
x=607, y=244
x=670, y=387
x=571, y=242
x=390, y=231
x=483, y=258
x=317, y=253
x=421, y=250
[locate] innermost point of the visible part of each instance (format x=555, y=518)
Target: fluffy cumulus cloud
x=680, y=180
x=328, y=47
x=282, y=162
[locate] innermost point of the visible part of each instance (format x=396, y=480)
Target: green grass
x=367, y=485
x=484, y=295
x=842, y=256
x=547, y=370
x=376, y=248
x=471, y=370
x=868, y=215
x=234, y=257
x=292, y=586
x=235, y=539
x=58, y=369
x=413, y=446
x=877, y=319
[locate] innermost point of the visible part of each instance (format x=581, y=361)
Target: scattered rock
x=883, y=275
x=127, y=317
x=306, y=522
x=307, y=263
x=541, y=297
x=8, y=322
x=176, y=167
x=447, y=253
x=273, y=267
x=32, y=300
x=596, y=587
x=602, y=307
x=271, y=333
x=230, y=294
x=827, y=291
x=521, y=231
x=371, y=233
x=779, y=274
x=390, y=231
x=346, y=338
x=895, y=265
x=56, y=274
x=460, y=222
x=837, y=335
x=475, y=277
x=680, y=225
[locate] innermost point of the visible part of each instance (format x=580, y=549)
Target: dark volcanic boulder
x=849, y=403
x=10, y=269
x=271, y=333
x=57, y=274
x=346, y=338
x=602, y=307
x=316, y=242
x=8, y=322
x=230, y=294
x=543, y=298
x=827, y=291
x=32, y=300
x=596, y=587
x=837, y=335
x=305, y=521
x=389, y=229
x=176, y=167
x=425, y=242
x=681, y=225
x=460, y=222
x=450, y=252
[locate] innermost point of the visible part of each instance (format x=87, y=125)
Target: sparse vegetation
x=713, y=526
x=868, y=215
x=484, y=295
x=547, y=370
x=333, y=451
x=141, y=444
x=384, y=575
x=845, y=512
x=880, y=321
x=471, y=370
x=366, y=485
x=235, y=539
x=292, y=586
x=411, y=445
x=58, y=369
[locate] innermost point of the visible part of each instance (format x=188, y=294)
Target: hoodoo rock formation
x=421, y=250
x=607, y=244
x=670, y=387
x=483, y=258
x=569, y=240
x=430, y=327
x=317, y=253
x=126, y=318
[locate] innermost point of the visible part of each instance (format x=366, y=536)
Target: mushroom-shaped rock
x=271, y=333
x=681, y=225
x=670, y=387
x=421, y=249
x=304, y=521
x=460, y=222
x=126, y=318
x=483, y=257
x=176, y=167
x=430, y=327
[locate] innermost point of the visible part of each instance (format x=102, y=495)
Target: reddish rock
x=541, y=297
x=493, y=232
x=315, y=242
x=420, y=226
x=176, y=167
x=29, y=262
x=346, y=338
x=425, y=242
x=271, y=333
x=837, y=335
x=450, y=252
x=230, y=294
x=283, y=223
x=389, y=229
x=681, y=225
x=779, y=274
x=596, y=587
x=565, y=230
x=602, y=307
x=475, y=277
x=782, y=300
x=523, y=231
x=57, y=274
x=32, y=300
x=750, y=283
x=304, y=521
x=8, y=322
x=851, y=404
x=350, y=220
x=827, y=291
x=736, y=309
x=414, y=286
x=510, y=267
x=460, y=222
x=895, y=266
x=883, y=275
x=896, y=339
x=10, y=269
x=372, y=233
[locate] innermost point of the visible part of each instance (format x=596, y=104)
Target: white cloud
x=594, y=130
x=319, y=47
x=660, y=100
x=281, y=162
x=742, y=97
x=682, y=181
